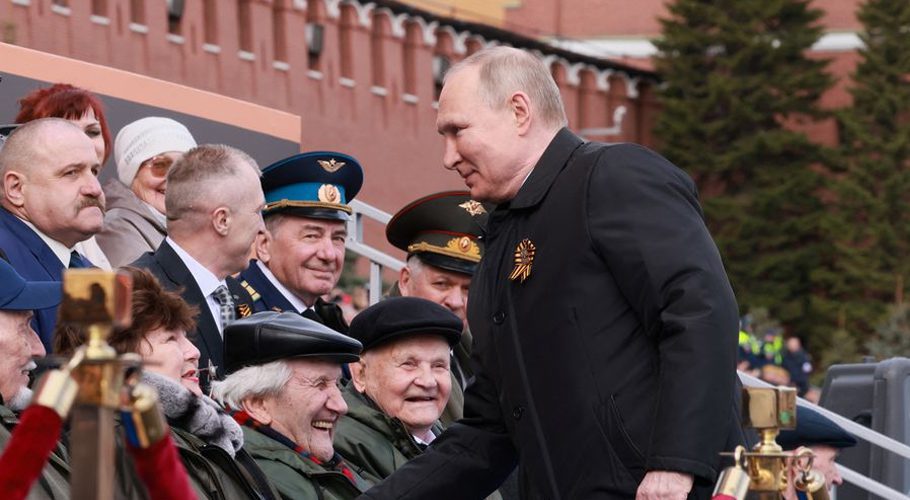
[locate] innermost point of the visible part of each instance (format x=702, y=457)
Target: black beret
x=269, y=336
x=813, y=428
x=397, y=317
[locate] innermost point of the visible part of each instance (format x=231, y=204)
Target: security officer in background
x=441, y=234
x=301, y=256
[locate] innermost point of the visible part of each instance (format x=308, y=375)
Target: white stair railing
x=378, y=260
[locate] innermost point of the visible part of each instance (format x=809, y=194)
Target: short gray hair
x=194, y=178
x=504, y=70
x=22, y=147
x=257, y=381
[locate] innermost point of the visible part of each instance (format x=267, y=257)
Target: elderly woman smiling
x=209, y=441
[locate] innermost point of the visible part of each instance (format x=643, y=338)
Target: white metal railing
x=378, y=260
x=862, y=432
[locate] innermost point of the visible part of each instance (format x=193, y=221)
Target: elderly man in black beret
x=401, y=384
x=824, y=437
x=282, y=381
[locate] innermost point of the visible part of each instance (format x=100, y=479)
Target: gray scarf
x=199, y=415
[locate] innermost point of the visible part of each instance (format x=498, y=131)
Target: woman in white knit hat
x=135, y=221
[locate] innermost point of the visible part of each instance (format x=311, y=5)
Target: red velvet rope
x=29, y=447
x=162, y=472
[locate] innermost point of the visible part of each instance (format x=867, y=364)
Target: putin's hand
x=664, y=485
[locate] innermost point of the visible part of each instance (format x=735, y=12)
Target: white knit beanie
x=145, y=138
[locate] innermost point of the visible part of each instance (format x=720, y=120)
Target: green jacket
x=371, y=441
x=296, y=477
x=53, y=483
x=213, y=472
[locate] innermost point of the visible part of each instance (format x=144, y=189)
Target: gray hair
x=195, y=177
x=23, y=146
x=504, y=70
x=252, y=382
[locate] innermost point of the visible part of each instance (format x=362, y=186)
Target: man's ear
x=14, y=188
x=258, y=409
x=263, y=245
x=404, y=281
x=357, y=375
x=520, y=105
x=221, y=220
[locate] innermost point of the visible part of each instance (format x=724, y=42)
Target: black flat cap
x=398, y=317
x=813, y=428
x=442, y=230
x=269, y=336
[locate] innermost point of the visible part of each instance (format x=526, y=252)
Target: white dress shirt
x=59, y=249
x=205, y=279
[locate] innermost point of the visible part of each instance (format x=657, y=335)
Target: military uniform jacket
x=295, y=477
x=265, y=297
x=614, y=356
x=53, y=483
x=173, y=274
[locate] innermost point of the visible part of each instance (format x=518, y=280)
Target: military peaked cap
x=16, y=294
x=269, y=336
x=442, y=229
x=813, y=428
x=398, y=317
x=318, y=184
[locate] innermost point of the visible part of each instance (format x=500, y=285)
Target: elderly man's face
x=825, y=457
x=408, y=379
x=446, y=288
x=18, y=345
x=480, y=142
x=60, y=193
x=306, y=255
x=309, y=406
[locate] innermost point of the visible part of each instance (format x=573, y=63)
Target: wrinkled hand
x=663, y=485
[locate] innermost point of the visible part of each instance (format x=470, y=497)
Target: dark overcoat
x=614, y=356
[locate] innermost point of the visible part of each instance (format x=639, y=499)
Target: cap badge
x=524, y=257
x=464, y=246
x=329, y=194
x=473, y=207
x=331, y=165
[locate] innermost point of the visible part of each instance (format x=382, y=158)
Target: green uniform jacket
x=296, y=477
x=213, y=472
x=53, y=483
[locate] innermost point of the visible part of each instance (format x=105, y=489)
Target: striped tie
x=226, y=304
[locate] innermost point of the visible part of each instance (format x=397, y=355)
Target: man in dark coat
x=51, y=201
x=604, y=325
x=214, y=205
x=301, y=256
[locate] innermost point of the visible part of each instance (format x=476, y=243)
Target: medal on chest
x=524, y=257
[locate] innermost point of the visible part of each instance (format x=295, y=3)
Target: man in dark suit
x=214, y=214
x=51, y=201
x=302, y=254
x=605, y=328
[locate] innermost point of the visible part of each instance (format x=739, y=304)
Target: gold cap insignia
x=331, y=165
x=524, y=257
x=329, y=194
x=465, y=246
x=473, y=207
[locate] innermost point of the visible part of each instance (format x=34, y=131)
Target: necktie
x=311, y=314
x=77, y=261
x=226, y=304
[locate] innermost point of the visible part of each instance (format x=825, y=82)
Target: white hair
x=252, y=382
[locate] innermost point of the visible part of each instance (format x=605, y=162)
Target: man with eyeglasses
x=135, y=221
x=214, y=208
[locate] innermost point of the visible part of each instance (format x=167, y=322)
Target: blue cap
x=813, y=428
x=16, y=294
x=317, y=184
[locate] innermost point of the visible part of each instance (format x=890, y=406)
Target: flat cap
x=399, y=317
x=317, y=184
x=813, y=428
x=441, y=229
x=269, y=336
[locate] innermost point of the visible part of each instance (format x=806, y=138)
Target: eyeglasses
x=158, y=165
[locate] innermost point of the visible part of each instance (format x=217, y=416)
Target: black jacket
x=614, y=357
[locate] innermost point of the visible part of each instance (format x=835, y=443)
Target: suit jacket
x=34, y=261
x=265, y=297
x=614, y=356
x=165, y=264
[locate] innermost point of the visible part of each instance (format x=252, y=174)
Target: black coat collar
x=552, y=161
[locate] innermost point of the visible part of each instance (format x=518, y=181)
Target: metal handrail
x=859, y=431
x=378, y=259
